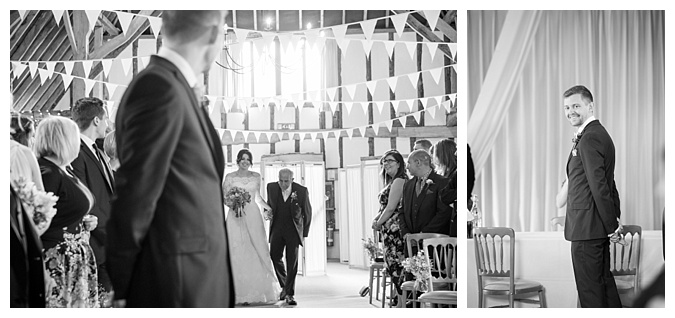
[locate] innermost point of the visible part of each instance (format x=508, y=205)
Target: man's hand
x=90, y=222
x=617, y=236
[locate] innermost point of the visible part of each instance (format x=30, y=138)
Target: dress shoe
x=282, y=295
x=290, y=300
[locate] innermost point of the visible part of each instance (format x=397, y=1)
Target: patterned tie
x=418, y=187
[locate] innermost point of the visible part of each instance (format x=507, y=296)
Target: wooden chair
x=625, y=260
x=413, y=243
x=443, y=252
x=495, y=267
x=377, y=271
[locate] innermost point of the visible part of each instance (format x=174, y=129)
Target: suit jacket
x=302, y=209
x=167, y=239
x=27, y=282
x=88, y=168
x=592, y=197
x=426, y=213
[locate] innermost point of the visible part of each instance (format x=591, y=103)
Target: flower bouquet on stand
x=417, y=265
x=235, y=199
x=371, y=248
x=39, y=205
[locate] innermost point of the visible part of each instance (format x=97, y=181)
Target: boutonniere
x=429, y=182
x=294, y=196
x=575, y=142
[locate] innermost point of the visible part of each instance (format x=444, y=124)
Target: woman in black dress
x=444, y=156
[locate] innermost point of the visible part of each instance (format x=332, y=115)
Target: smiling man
x=592, y=202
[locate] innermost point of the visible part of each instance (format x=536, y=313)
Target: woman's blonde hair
x=58, y=137
x=109, y=146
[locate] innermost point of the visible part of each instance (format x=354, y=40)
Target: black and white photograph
x=566, y=126
x=234, y=158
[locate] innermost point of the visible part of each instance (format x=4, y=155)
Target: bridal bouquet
x=236, y=198
x=39, y=205
x=372, y=248
x=417, y=265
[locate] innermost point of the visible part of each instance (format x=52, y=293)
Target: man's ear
x=591, y=107
x=214, y=33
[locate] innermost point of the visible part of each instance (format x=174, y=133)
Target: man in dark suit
x=93, y=170
x=592, y=202
x=291, y=217
x=423, y=209
x=167, y=239
x=27, y=281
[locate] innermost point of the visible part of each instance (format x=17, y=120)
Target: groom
x=291, y=216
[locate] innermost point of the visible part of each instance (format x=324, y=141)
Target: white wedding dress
x=254, y=277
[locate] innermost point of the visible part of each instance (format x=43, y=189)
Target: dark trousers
x=595, y=282
x=289, y=241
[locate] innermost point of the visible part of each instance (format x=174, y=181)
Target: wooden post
x=337, y=117
x=392, y=94
x=369, y=76
x=277, y=77
x=80, y=52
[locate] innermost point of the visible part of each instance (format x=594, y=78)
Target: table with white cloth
x=546, y=257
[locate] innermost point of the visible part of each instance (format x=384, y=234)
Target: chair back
x=379, y=242
x=441, y=257
x=414, y=241
x=625, y=260
x=493, y=259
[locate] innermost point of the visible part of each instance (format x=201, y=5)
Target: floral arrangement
x=429, y=182
x=417, y=265
x=267, y=215
x=236, y=198
x=575, y=141
x=294, y=196
x=38, y=204
x=372, y=248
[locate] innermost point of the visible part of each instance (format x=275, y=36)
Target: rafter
x=107, y=25
x=426, y=32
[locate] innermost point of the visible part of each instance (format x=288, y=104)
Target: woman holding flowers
x=394, y=176
x=68, y=255
x=254, y=278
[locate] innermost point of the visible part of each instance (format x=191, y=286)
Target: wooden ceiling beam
x=69, y=30
x=447, y=30
x=107, y=25
x=426, y=32
x=116, y=45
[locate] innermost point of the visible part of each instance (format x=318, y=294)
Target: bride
x=254, y=278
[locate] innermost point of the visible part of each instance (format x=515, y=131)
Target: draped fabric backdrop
x=519, y=136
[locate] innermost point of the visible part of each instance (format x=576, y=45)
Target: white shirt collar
x=588, y=120
x=88, y=142
x=182, y=65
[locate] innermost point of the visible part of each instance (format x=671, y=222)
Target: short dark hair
x=424, y=143
x=401, y=166
x=84, y=111
x=22, y=128
x=241, y=153
x=579, y=89
x=184, y=26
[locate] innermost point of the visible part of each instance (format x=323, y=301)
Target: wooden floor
x=339, y=288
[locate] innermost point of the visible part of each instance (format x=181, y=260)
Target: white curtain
x=357, y=258
x=517, y=131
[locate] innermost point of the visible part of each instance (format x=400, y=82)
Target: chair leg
x=370, y=285
x=511, y=301
x=377, y=293
x=542, y=299
x=481, y=300
x=384, y=287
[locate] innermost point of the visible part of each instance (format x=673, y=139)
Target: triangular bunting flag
x=432, y=111
x=424, y=102
x=66, y=80
x=349, y=106
x=32, y=67
x=350, y=133
x=19, y=68
x=436, y=74
x=392, y=83
x=416, y=115
x=284, y=39
x=399, y=22
x=43, y=75
x=126, y=65
x=331, y=92
x=432, y=18
x=111, y=89
x=319, y=44
x=145, y=60
x=343, y=44
x=413, y=77
x=433, y=48
x=333, y=106
x=403, y=121
x=112, y=109
x=453, y=49
x=351, y=89
x=125, y=20
x=69, y=67
x=438, y=100
x=389, y=46
x=261, y=44
x=362, y=131
x=339, y=31
x=241, y=34
x=107, y=63
x=412, y=47
x=367, y=45
x=22, y=14
x=92, y=16
x=155, y=25
x=86, y=65
x=88, y=86
x=380, y=105
x=50, y=68
x=256, y=136
x=57, y=16
x=368, y=28
x=371, y=86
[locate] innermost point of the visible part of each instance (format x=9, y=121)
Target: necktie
x=103, y=163
x=198, y=89
x=418, y=188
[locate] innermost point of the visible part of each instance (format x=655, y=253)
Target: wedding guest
x=68, y=255
x=387, y=219
x=22, y=161
x=27, y=281
x=592, y=201
x=444, y=154
x=422, y=144
x=167, y=236
x=92, y=169
x=110, y=149
x=423, y=209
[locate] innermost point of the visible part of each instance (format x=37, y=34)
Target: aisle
x=339, y=289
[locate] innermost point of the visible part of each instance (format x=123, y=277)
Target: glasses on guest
x=388, y=161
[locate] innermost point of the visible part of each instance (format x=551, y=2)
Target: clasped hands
x=617, y=236
x=90, y=222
